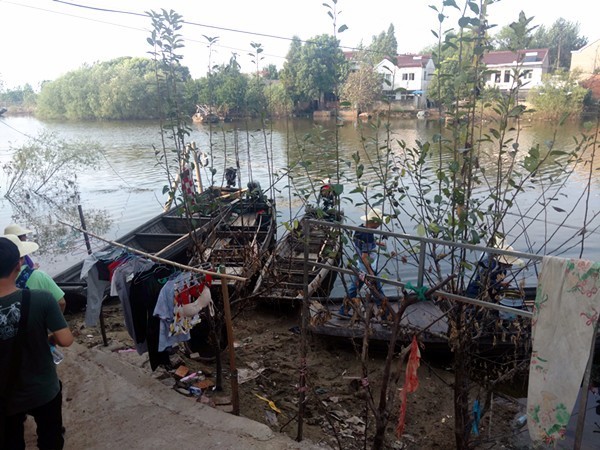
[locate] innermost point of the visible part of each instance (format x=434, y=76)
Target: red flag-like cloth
x=411, y=382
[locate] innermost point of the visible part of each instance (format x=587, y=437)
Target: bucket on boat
x=512, y=300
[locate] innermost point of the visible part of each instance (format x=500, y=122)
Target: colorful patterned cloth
x=564, y=317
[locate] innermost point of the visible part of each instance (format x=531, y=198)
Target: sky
x=44, y=39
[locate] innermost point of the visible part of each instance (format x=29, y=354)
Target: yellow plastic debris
x=270, y=403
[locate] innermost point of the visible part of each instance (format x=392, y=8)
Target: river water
x=125, y=189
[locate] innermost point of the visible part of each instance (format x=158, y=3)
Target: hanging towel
x=411, y=382
x=564, y=316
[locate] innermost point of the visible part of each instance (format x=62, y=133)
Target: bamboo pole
x=156, y=258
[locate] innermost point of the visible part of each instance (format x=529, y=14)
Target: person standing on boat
x=30, y=278
x=29, y=384
x=366, y=246
x=21, y=233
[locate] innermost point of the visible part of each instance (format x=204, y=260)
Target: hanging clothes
x=144, y=292
x=121, y=287
x=566, y=310
x=95, y=271
x=172, y=329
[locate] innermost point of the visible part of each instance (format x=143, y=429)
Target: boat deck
x=325, y=319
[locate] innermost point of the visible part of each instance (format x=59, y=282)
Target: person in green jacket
x=30, y=278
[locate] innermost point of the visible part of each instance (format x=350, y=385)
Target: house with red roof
x=407, y=77
x=531, y=65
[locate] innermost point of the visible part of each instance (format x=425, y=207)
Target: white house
x=407, y=77
x=531, y=63
x=586, y=60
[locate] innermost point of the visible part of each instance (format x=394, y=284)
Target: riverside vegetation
x=451, y=198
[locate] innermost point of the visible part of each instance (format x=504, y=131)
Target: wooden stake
x=583, y=398
x=103, y=324
x=83, y=227
x=235, y=396
x=304, y=335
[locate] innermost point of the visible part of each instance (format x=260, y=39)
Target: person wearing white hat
x=492, y=271
x=365, y=246
x=32, y=278
x=22, y=233
x=29, y=383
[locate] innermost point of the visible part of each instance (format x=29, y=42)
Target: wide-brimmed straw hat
x=25, y=247
x=17, y=230
x=509, y=259
x=374, y=214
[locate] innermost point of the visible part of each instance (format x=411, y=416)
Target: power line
x=147, y=30
x=215, y=27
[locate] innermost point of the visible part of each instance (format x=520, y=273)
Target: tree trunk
x=461, y=384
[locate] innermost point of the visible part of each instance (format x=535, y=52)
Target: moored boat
x=282, y=277
x=240, y=244
x=167, y=235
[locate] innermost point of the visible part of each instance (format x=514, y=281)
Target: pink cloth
x=564, y=316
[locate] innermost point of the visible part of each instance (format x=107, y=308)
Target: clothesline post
x=86, y=238
x=103, y=324
x=235, y=397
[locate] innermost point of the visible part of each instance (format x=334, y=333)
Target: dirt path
x=267, y=355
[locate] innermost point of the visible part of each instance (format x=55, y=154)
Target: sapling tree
x=466, y=186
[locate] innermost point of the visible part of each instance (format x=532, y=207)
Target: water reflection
x=127, y=188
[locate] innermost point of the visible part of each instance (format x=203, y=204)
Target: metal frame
x=421, y=268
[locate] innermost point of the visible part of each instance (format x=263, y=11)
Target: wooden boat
x=282, y=277
x=240, y=244
x=167, y=235
x=497, y=331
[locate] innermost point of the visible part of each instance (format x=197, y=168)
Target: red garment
x=187, y=293
x=113, y=265
x=187, y=185
x=411, y=382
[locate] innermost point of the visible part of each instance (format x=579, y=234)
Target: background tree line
x=315, y=70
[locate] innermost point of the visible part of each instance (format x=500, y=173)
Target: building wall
x=501, y=76
x=409, y=78
x=586, y=60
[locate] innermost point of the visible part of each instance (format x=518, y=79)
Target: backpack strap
x=17, y=350
x=21, y=281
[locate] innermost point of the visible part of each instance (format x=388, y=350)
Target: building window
x=411, y=76
x=527, y=74
x=496, y=77
x=507, y=76
x=408, y=76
